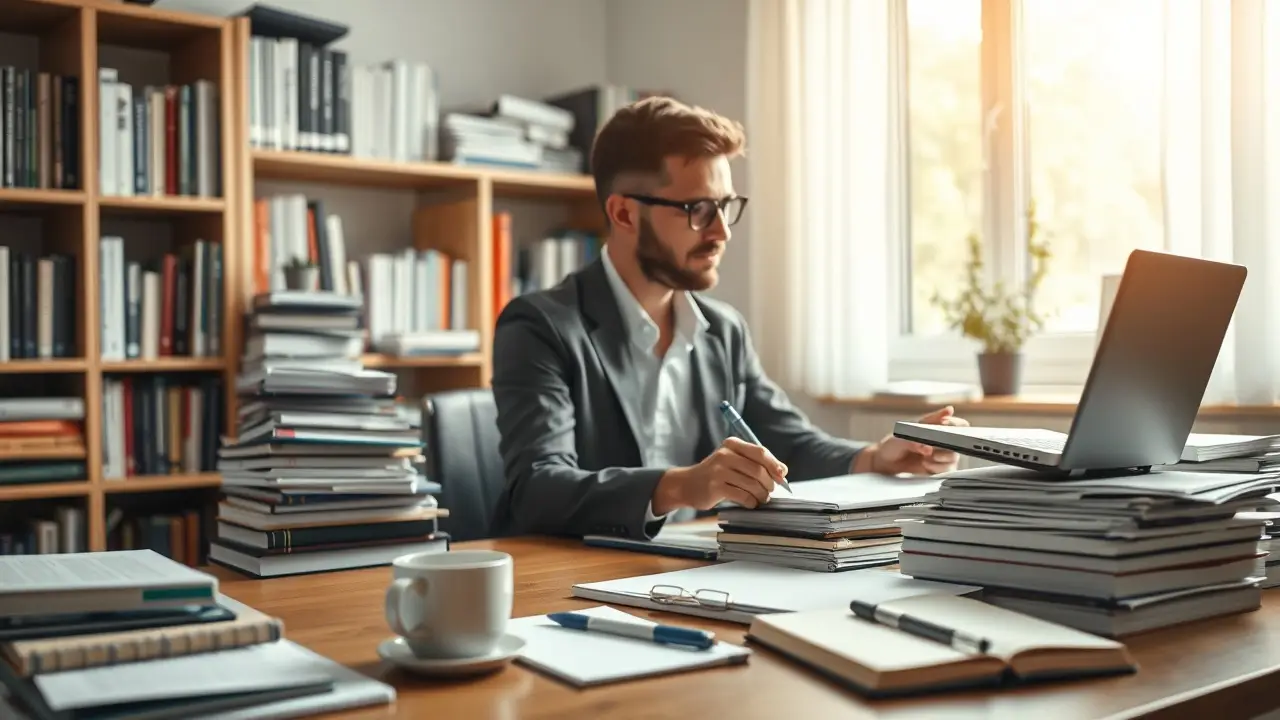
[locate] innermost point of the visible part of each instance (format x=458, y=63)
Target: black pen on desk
x=738, y=425
x=957, y=639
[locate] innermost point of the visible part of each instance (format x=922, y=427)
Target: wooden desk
x=1223, y=668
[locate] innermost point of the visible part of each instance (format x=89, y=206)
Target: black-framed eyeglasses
x=701, y=212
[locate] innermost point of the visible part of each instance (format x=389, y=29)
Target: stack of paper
x=1112, y=556
x=135, y=634
x=1230, y=453
x=324, y=471
x=839, y=523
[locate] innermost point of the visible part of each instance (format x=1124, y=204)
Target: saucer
x=396, y=651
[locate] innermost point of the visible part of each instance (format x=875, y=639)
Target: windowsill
x=1031, y=403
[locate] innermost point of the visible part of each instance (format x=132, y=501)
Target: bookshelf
x=75, y=38
x=454, y=208
x=453, y=211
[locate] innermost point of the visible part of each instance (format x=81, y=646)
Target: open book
x=879, y=660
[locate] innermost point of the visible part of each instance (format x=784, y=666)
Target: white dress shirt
x=668, y=414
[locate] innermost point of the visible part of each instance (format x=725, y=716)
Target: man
x=608, y=385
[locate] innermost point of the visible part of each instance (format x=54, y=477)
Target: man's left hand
x=893, y=455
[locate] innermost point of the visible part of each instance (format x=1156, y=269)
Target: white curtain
x=824, y=123
x=1221, y=150
x=823, y=182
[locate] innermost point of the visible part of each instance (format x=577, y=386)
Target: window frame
x=1060, y=359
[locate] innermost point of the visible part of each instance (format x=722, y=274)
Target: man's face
x=672, y=253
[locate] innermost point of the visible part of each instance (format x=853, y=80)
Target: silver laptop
x=1148, y=377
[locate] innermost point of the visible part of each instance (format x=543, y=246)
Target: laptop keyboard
x=1045, y=444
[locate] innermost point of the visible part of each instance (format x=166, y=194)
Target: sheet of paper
x=268, y=666
x=590, y=658
x=94, y=571
x=851, y=492
x=782, y=589
x=700, y=536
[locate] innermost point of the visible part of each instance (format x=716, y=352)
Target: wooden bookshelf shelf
x=346, y=170
x=386, y=362
x=161, y=483
x=300, y=166
x=32, y=17
x=38, y=491
x=166, y=364
x=148, y=28
x=56, y=365
x=529, y=184
x=39, y=199
x=160, y=205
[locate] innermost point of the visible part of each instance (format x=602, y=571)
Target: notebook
x=246, y=626
x=271, y=680
x=878, y=660
x=693, y=540
x=738, y=591
x=584, y=658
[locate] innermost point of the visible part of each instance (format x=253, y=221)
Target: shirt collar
x=641, y=329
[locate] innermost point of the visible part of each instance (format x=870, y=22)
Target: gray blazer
x=572, y=463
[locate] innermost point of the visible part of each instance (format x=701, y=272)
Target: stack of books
x=840, y=523
x=132, y=633
x=323, y=473
x=1111, y=556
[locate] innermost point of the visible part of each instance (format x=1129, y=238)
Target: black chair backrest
x=460, y=430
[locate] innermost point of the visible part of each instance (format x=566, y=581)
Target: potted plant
x=301, y=274
x=1000, y=318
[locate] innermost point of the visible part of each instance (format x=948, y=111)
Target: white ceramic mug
x=452, y=604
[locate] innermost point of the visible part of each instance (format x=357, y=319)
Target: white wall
x=702, y=61
x=479, y=48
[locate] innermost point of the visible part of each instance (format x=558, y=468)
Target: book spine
x=85, y=652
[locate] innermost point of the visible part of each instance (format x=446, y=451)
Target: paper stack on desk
x=322, y=474
x=134, y=634
x=1230, y=453
x=840, y=523
x=1111, y=556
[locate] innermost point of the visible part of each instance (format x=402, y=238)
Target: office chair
x=460, y=430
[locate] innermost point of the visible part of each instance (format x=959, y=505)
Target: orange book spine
x=501, y=262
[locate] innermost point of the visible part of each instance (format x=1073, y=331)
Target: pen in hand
x=739, y=426
x=957, y=639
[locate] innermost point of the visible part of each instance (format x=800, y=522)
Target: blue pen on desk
x=666, y=634
x=738, y=425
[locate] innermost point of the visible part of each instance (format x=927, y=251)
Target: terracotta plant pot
x=302, y=278
x=1000, y=373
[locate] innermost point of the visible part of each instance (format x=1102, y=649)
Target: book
x=878, y=660
x=676, y=540
x=46, y=655
x=90, y=582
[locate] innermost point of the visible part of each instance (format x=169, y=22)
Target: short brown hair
x=640, y=136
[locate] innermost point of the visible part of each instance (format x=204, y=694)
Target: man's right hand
x=737, y=471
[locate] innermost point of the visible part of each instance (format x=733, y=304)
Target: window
x=944, y=113
x=1093, y=74
x=1009, y=101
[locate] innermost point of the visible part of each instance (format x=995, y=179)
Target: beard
x=660, y=264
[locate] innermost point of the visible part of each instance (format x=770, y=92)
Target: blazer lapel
x=711, y=378
x=609, y=338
